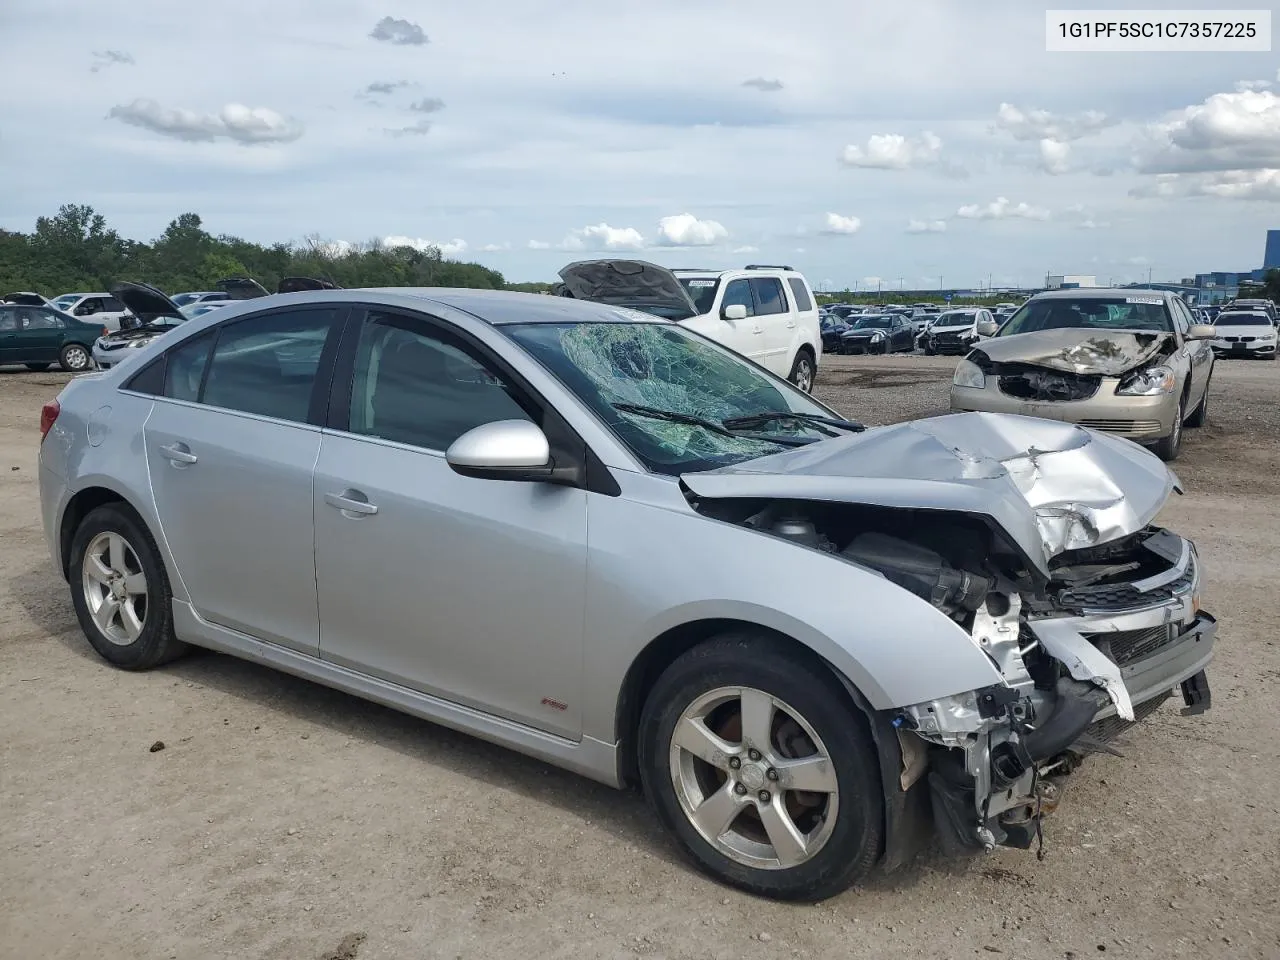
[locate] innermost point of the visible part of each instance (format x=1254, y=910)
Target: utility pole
x=1148, y=276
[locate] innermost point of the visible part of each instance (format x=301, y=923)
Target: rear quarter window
x=800, y=294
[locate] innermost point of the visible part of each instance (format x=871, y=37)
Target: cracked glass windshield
x=617, y=368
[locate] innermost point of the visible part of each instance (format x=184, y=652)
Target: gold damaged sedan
x=1128, y=362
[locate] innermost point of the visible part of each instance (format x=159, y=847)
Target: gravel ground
x=285, y=820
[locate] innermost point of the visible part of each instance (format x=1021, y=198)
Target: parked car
x=331, y=483
x=879, y=333
x=39, y=337
x=765, y=313
x=1244, y=334
x=157, y=313
x=27, y=299
x=199, y=296
x=1257, y=303
x=832, y=331
x=1127, y=362
x=955, y=332
x=99, y=309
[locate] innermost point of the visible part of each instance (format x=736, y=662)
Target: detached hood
x=298, y=284
x=626, y=282
x=1098, y=352
x=1050, y=486
x=145, y=302
x=242, y=288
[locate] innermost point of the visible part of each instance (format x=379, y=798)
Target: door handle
x=178, y=454
x=791, y=325
x=351, y=502
x=757, y=330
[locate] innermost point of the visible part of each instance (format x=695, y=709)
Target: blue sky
x=915, y=140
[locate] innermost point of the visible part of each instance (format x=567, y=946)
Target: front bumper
x=861, y=345
x=1143, y=419
x=1222, y=348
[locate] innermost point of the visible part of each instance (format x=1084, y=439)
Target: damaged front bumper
x=1075, y=676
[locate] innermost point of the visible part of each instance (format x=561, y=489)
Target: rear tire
x=114, y=563
x=75, y=358
x=37, y=367
x=803, y=371
x=729, y=805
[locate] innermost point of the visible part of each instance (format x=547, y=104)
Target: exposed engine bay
x=1084, y=651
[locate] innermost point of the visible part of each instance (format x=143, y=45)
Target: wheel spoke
x=692, y=734
x=97, y=570
x=716, y=814
x=129, y=620
x=757, y=720
x=106, y=613
x=135, y=584
x=115, y=553
x=814, y=774
x=788, y=842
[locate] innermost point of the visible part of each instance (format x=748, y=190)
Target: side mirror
x=988, y=328
x=502, y=450
x=1202, y=331
x=734, y=311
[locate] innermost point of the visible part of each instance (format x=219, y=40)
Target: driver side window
x=416, y=386
x=738, y=292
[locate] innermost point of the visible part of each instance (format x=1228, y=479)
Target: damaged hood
x=1050, y=486
x=625, y=283
x=1079, y=350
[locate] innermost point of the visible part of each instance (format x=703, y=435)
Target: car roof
x=1100, y=293
x=496, y=307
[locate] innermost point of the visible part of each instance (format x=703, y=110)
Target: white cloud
x=447, y=248
x=495, y=247
x=249, y=125
x=399, y=32
x=892, y=151
x=1243, y=86
x=842, y=225
x=926, y=226
x=1228, y=131
x=872, y=281
x=417, y=129
x=1054, y=156
x=539, y=245
x=747, y=249
x=1043, y=125
x=1263, y=185
x=427, y=105
x=763, y=85
x=601, y=236
x=109, y=58
x=1002, y=209
x=686, y=230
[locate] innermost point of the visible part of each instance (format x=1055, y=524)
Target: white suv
x=765, y=313
x=100, y=308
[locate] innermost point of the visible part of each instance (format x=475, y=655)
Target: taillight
x=105, y=331
x=48, y=413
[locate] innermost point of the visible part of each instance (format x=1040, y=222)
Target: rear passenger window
x=184, y=368
x=799, y=294
x=768, y=295
x=267, y=364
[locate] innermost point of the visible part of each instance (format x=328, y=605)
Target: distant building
x=1271, y=256
x=1069, y=282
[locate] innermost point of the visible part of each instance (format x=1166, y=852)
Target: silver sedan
x=608, y=542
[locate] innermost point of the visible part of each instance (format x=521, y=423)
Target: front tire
x=803, y=371
x=754, y=757
x=1201, y=415
x=74, y=358
x=120, y=590
x=1167, y=447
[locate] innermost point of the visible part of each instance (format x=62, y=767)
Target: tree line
x=76, y=250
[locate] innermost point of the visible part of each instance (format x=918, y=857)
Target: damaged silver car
x=1133, y=363
x=606, y=541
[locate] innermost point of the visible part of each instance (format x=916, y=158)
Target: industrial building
x=1220, y=285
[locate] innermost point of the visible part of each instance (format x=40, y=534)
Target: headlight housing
x=1151, y=382
x=969, y=374
x=877, y=336
x=141, y=342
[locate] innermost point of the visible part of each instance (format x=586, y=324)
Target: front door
x=231, y=455
x=469, y=590
x=745, y=336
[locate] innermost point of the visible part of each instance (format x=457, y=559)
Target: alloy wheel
x=77, y=358
x=115, y=588
x=754, y=778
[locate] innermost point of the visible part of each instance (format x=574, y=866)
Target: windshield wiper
x=817, y=419
x=724, y=429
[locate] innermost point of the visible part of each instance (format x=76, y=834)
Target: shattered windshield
x=668, y=369
x=1090, y=313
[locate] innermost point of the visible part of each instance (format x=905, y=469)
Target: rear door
x=776, y=322
x=8, y=334
x=231, y=448
x=40, y=333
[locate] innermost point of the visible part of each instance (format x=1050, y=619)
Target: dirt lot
x=285, y=820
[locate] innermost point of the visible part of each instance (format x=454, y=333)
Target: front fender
x=894, y=647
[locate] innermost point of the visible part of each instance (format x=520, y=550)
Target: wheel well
x=807, y=348
x=661, y=652
x=81, y=505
